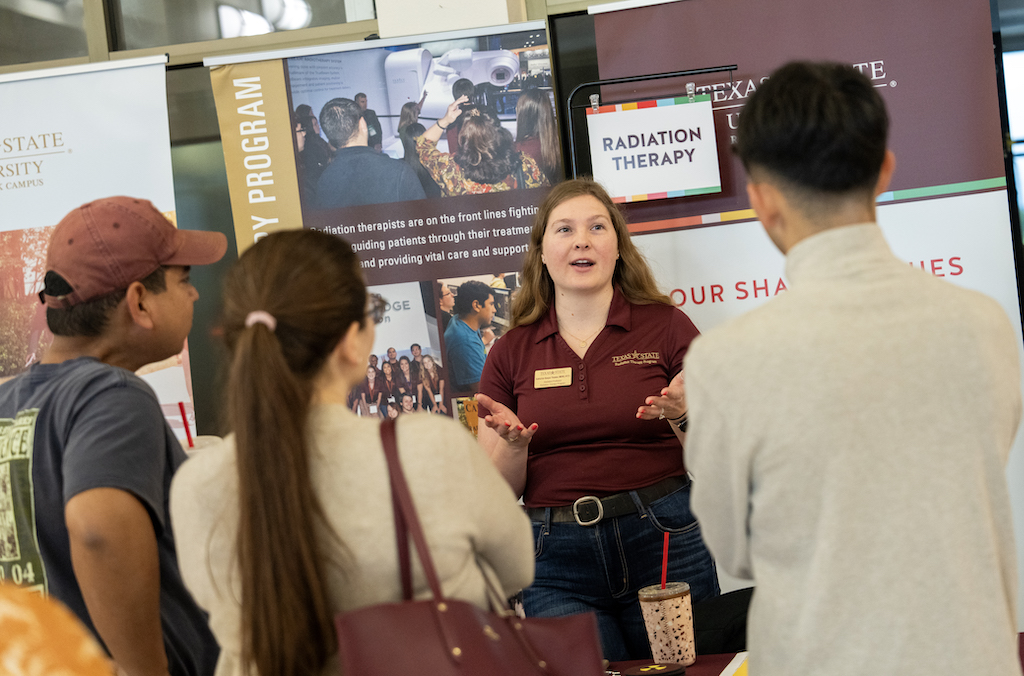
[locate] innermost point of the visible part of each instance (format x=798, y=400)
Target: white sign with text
x=655, y=149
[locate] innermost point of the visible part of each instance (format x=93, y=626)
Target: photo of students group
x=478, y=120
x=401, y=384
x=845, y=443
x=465, y=316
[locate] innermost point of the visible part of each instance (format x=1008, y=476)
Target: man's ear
x=770, y=206
x=886, y=172
x=137, y=303
x=765, y=201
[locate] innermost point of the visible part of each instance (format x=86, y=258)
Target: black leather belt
x=590, y=509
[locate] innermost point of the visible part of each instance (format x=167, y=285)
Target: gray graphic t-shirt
x=71, y=427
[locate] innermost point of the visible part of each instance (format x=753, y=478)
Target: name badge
x=552, y=378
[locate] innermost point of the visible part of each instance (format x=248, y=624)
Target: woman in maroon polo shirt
x=585, y=415
x=391, y=385
x=370, y=393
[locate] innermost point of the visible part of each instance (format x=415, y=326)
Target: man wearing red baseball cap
x=83, y=494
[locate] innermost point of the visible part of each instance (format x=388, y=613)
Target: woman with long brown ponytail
x=288, y=521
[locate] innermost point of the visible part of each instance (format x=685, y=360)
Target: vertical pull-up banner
x=71, y=135
x=424, y=213
x=947, y=210
x=256, y=133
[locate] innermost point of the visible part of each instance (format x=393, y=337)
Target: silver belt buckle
x=584, y=499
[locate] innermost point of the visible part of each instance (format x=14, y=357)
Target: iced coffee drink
x=668, y=614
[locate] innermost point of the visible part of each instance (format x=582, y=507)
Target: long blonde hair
x=632, y=274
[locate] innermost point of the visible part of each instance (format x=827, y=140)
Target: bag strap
x=402, y=539
x=407, y=521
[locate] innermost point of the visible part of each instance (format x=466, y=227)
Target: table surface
x=706, y=665
x=712, y=665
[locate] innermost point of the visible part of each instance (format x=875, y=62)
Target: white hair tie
x=260, y=317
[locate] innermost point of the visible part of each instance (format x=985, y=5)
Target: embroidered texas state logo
x=637, y=358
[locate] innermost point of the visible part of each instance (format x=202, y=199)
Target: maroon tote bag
x=449, y=637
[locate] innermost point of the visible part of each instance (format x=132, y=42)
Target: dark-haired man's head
x=90, y=318
x=117, y=271
x=815, y=132
x=475, y=302
x=463, y=87
x=342, y=122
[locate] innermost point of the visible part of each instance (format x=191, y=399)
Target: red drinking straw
x=188, y=435
x=664, y=562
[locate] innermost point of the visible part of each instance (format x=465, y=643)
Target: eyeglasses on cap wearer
x=377, y=307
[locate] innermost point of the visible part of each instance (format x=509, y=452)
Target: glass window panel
x=1013, y=74
x=41, y=30
x=190, y=108
x=1018, y=170
x=202, y=203
x=155, y=23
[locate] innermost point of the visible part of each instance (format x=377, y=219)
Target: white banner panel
x=717, y=273
x=404, y=321
x=656, y=149
x=72, y=135
x=72, y=138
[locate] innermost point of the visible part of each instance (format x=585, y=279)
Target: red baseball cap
x=107, y=244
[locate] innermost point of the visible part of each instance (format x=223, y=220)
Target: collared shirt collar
x=620, y=313
x=843, y=251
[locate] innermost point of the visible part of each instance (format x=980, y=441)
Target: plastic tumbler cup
x=668, y=615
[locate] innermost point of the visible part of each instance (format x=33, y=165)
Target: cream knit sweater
x=467, y=511
x=848, y=443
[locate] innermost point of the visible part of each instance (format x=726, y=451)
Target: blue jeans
x=601, y=568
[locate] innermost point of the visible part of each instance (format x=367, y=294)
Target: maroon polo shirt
x=589, y=440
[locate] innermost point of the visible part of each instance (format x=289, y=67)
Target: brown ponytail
x=310, y=283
